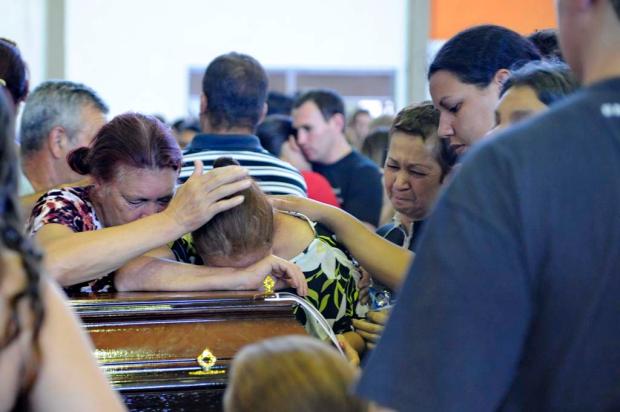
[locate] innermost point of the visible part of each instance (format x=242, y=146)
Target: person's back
x=514, y=292
x=541, y=310
x=233, y=101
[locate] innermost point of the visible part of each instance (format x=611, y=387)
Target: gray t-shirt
x=513, y=300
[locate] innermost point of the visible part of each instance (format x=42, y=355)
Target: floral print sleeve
x=68, y=206
x=332, y=277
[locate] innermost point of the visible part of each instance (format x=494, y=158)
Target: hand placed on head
x=205, y=195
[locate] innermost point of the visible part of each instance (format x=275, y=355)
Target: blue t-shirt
x=513, y=300
x=356, y=181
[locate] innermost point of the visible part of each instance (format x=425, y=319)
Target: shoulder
x=63, y=198
x=70, y=206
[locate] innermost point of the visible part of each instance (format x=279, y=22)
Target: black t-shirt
x=513, y=300
x=356, y=181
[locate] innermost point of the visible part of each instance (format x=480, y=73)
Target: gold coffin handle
x=206, y=360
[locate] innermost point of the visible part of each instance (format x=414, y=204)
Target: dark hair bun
x=78, y=160
x=225, y=161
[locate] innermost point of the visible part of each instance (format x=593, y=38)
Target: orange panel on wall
x=448, y=17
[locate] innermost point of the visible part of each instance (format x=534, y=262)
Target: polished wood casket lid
x=151, y=341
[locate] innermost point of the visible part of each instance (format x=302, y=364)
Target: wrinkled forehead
x=145, y=182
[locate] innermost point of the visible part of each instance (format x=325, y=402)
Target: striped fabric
x=274, y=176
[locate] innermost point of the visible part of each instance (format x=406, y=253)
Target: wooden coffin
x=148, y=343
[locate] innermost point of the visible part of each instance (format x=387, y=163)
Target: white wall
x=136, y=53
x=23, y=21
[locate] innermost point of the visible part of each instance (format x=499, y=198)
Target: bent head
x=134, y=161
x=466, y=77
x=415, y=165
x=240, y=236
x=291, y=373
x=532, y=89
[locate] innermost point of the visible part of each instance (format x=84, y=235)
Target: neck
x=601, y=59
x=40, y=171
x=207, y=128
x=95, y=199
x=339, y=149
x=291, y=235
x=606, y=68
x=406, y=221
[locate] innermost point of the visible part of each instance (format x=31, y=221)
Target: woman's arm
x=387, y=262
x=158, y=271
x=72, y=258
x=69, y=378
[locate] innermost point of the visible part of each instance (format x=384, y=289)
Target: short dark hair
x=358, y=112
x=274, y=131
x=236, y=89
x=476, y=54
x=422, y=120
x=616, y=5
x=279, y=103
x=551, y=81
x=13, y=70
x=328, y=101
x=376, y=145
x=130, y=139
x=546, y=41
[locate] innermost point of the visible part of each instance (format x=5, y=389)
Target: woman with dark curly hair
x=45, y=359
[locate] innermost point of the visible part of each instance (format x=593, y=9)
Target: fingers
x=226, y=204
x=198, y=168
x=378, y=316
x=222, y=175
x=226, y=190
x=368, y=337
x=349, y=351
x=280, y=202
x=291, y=273
x=367, y=327
x=364, y=296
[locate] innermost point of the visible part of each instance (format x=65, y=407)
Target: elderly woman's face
x=466, y=111
x=518, y=103
x=412, y=176
x=135, y=193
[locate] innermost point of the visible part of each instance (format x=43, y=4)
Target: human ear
x=338, y=121
x=203, y=103
x=501, y=76
x=263, y=113
x=57, y=140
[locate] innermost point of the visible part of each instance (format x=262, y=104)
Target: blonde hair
x=291, y=373
x=244, y=229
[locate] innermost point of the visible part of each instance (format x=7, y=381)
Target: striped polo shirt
x=274, y=176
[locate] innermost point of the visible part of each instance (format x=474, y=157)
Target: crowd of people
x=455, y=250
